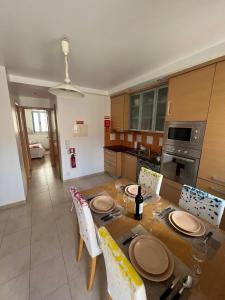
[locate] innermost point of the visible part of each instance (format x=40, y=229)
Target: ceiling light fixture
x=66, y=89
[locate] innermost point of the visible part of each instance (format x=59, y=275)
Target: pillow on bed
x=33, y=142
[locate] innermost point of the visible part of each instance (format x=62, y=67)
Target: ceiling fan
x=66, y=89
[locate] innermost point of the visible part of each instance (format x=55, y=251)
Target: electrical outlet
x=160, y=141
x=139, y=138
x=112, y=136
x=150, y=139
x=122, y=136
x=130, y=137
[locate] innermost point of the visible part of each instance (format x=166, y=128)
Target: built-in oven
x=185, y=134
x=179, y=168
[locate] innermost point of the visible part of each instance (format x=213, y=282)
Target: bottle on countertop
x=138, y=205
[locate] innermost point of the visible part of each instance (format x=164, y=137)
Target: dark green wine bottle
x=138, y=205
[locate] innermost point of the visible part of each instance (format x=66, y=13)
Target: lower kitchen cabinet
x=171, y=190
x=129, y=166
x=112, y=162
x=214, y=189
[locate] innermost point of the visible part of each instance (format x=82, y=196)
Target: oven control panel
x=182, y=151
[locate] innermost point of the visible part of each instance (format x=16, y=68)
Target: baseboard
x=86, y=176
x=14, y=204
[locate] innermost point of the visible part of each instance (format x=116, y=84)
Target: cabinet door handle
x=168, y=108
x=217, y=190
x=217, y=179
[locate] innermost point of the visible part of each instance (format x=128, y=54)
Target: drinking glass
x=199, y=254
x=125, y=203
x=156, y=208
x=119, y=187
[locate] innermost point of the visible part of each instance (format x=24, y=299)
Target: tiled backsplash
x=150, y=140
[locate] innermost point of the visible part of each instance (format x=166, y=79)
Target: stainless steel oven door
x=180, y=169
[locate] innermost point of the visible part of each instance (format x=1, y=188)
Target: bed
x=36, y=150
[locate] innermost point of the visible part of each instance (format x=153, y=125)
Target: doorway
x=39, y=139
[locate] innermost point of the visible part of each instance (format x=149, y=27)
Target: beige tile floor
x=38, y=242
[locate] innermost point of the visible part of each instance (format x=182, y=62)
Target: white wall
x=91, y=109
x=11, y=181
x=36, y=102
x=33, y=136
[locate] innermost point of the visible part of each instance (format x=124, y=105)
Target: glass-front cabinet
x=134, y=111
x=148, y=110
x=161, y=108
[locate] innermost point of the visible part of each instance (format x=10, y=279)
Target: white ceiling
x=112, y=41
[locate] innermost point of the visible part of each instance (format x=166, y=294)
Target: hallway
x=38, y=242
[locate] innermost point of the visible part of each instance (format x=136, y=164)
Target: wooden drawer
x=110, y=169
x=211, y=187
x=110, y=165
x=110, y=156
x=112, y=162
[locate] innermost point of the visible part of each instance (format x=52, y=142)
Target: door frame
x=48, y=110
x=22, y=129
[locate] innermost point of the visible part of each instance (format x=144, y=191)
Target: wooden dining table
x=211, y=283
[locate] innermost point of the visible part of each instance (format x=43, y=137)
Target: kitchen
x=134, y=208
x=175, y=129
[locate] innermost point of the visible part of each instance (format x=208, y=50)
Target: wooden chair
x=202, y=204
x=87, y=233
x=122, y=279
x=150, y=179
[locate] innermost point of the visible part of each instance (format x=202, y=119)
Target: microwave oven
x=184, y=134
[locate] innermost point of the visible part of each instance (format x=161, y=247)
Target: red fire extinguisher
x=72, y=157
x=73, y=160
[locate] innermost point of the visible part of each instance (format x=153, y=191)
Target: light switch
x=67, y=144
x=112, y=136
x=139, y=138
x=160, y=141
x=130, y=137
x=150, y=139
x=122, y=136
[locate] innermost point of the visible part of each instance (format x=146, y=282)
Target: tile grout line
x=61, y=249
x=30, y=245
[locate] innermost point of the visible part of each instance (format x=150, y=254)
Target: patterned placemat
x=155, y=289
x=148, y=198
x=214, y=242
x=99, y=218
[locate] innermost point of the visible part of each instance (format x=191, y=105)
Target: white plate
x=101, y=211
x=186, y=221
x=102, y=202
x=198, y=233
x=151, y=255
x=156, y=278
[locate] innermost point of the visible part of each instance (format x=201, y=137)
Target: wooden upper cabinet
x=189, y=95
x=212, y=164
x=120, y=112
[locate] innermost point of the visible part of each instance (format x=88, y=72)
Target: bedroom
x=38, y=135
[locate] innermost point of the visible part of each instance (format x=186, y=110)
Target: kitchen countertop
x=138, y=153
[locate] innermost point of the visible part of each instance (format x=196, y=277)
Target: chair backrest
x=86, y=223
x=123, y=281
x=202, y=204
x=150, y=179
